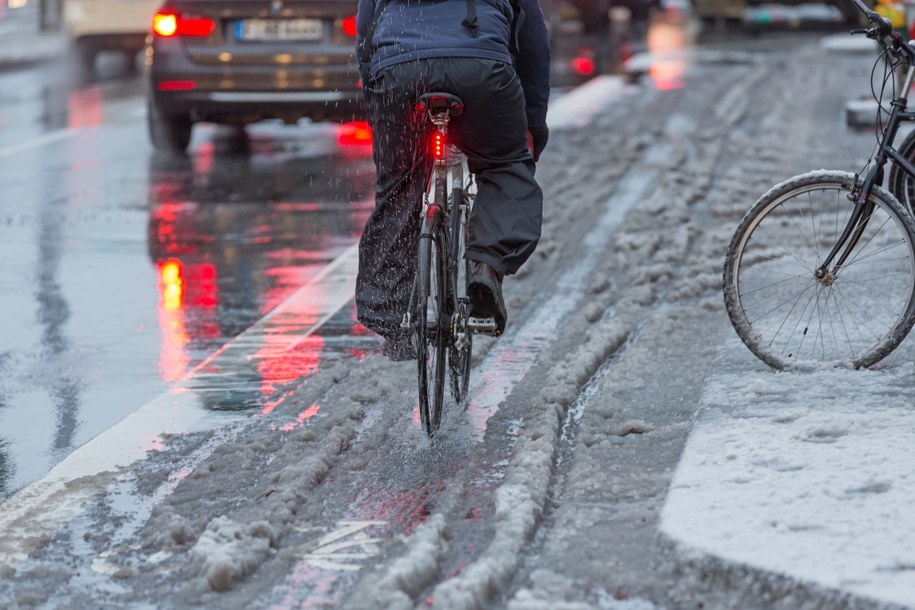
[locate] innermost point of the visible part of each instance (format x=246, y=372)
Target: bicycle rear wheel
x=786, y=315
x=432, y=328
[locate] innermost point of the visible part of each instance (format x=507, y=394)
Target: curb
x=759, y=588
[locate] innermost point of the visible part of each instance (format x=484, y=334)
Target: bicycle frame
x=442, y=310
x=442, y=208
x=439, y=207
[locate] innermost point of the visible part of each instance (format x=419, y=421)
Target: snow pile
x=230, y=551
x=399, y=583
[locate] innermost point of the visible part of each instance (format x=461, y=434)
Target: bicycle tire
x=787, y=317
x=459, y=355
x=901, y=184
x=431, y=327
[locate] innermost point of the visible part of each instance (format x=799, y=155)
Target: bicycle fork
x=872, y=175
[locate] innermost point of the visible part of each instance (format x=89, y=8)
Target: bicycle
x=439, y=308
x=821, y=270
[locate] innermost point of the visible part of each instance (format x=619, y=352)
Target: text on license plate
x=280, y=29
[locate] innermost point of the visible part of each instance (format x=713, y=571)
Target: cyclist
x=495, y=56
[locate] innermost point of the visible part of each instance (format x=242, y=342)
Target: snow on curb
x=801, y=482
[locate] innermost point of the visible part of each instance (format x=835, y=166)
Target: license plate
x=280, y=29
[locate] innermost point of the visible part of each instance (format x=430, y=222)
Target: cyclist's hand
x=538, y=138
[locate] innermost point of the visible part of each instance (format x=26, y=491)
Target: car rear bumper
x=251, y=106
x=233, y=86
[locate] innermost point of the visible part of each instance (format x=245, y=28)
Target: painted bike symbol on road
x=345, y=548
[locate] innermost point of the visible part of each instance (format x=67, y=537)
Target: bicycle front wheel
x=432, y=328
x=787, y=316
x=901, y=184
x=462, y=345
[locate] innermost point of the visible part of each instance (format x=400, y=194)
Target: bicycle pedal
x=483, y=326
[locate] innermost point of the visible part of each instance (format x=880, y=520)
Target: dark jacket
x=408, y=30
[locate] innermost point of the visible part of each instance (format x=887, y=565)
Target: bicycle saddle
x=438, y=101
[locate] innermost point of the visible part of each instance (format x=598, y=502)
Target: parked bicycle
x=439, y=309
x=821, y=270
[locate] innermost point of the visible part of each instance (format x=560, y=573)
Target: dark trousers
x=492, y=132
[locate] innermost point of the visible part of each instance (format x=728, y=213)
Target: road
x=239, y=442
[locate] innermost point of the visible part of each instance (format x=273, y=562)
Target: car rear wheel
x=168, y=133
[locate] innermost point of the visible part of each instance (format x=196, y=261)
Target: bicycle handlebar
x=882, y=31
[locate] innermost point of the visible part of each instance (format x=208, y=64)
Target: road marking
x=47, y=138
x=350, y=535
x=35, y=512
x=579, y=106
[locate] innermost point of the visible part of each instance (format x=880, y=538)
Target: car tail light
x=348, y=25
x=584, y=64
x=168, y=24
x=176, y=85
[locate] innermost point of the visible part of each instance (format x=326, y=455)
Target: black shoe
x=485, y=291
x=399, y=348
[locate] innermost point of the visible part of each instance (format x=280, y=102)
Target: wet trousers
x=505, y=225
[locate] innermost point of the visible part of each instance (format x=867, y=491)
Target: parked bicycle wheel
x=853, y=316
x=901, y=184
x=432, y=328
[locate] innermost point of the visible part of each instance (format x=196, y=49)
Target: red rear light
x=165, y=24
x=176, y=85
x=438, y=145
x=349, y=26
x=169, y=24
x=355, y=133
x=584, y=64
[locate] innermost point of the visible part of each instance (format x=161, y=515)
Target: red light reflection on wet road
x=279, y=365
x=84, y=107
x=302, y=418
x=182, y=287
x=666, y=40
x=173, y=358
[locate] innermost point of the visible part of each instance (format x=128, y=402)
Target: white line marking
x=47, y=138
x=577, y=107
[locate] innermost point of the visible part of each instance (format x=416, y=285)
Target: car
x=238, y=62
x=736, y=10
x=94, y=26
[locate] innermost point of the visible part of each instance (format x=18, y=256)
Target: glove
x=539, y=138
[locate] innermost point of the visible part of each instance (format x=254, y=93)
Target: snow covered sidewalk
x=807, y=477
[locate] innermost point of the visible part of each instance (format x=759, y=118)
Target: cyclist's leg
x=492, y=132
x=387, y=248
